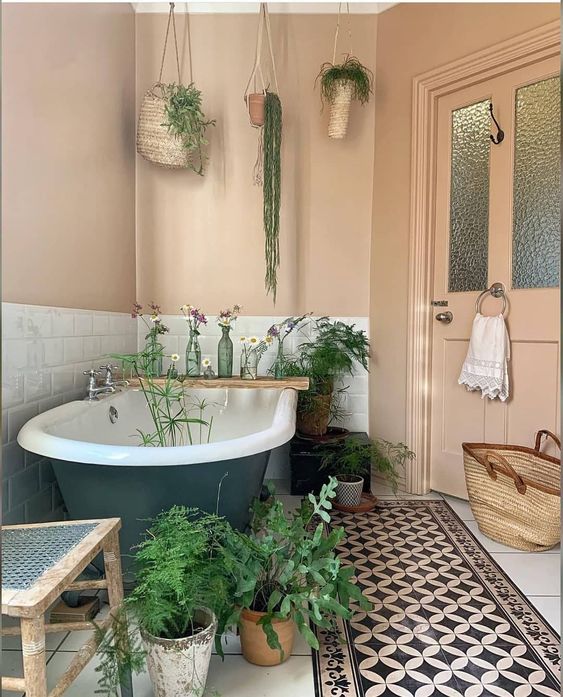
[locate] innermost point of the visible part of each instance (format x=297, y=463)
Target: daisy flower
x=268, y=338
x=242, y=340
x=174, y=357
x=206, y=362
x=253, y=340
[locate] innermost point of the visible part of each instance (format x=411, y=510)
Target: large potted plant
x=184, y=584
x=289, y=576
x=334, y=350
x=348, y=462
x=340, y=84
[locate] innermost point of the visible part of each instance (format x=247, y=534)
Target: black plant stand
x=305, y=461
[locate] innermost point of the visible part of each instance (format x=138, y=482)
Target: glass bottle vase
x=279, y=372
x=193, y=355
x=249, y=365
x=225, y=354
x=154, y=366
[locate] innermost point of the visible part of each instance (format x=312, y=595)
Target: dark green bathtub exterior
x=137, y=493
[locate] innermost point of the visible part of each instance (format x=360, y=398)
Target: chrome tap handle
x=109, y=368
x=91, y=373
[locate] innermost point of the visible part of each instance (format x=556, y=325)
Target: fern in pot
x=184, y=588
x=350, y=461
x=340, y=84
x=335, y=350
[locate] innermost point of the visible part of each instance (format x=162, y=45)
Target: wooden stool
x=39, y=562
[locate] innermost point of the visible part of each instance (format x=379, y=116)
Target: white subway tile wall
x=44, y=352
x=354, y=401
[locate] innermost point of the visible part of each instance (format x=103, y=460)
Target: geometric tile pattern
x=445, y=620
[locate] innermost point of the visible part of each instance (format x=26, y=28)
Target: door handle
x=445, y=317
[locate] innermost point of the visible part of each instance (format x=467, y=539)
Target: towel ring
x=497, y=290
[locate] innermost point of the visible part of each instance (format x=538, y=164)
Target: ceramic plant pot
x=256, y=108
x=349, y=489
x=178, y=667
x=313, y=421
x=255, y=645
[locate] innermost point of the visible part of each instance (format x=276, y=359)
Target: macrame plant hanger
x=342, y=100
x=337, y=30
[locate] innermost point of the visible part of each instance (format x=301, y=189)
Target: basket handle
x=507, y=469
x=548, y=434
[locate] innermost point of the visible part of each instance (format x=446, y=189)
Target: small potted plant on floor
x=349, y=461
x=339, y=85
x=289, y=576
x=184, y=586
x=335, y=349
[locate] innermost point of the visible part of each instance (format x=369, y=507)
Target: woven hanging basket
x=515, y=493
x=340, y=109
x=154, y=142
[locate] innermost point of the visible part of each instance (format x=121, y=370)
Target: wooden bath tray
x=221, y=383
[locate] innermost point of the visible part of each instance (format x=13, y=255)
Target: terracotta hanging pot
x=255, y=644
x=256, y=108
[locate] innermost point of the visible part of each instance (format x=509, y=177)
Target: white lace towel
x=486, y=365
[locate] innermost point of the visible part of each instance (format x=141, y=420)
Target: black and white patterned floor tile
x=446, y=620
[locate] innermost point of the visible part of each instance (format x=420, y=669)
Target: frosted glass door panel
x=536, y=223
x=469, y=198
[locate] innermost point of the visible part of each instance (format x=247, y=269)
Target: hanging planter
x=265, y=113
x=341, y=83
x=171, y=127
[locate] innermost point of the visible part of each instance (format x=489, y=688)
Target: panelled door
x=497, y=220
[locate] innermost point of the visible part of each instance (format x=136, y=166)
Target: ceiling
x=357, y=7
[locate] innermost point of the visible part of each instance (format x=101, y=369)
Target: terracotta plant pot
x=349, y=489
x=313, y=421
x=255, y=644
x=178, y=667
x=256, y=108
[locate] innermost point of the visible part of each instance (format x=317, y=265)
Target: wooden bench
x=40, y=562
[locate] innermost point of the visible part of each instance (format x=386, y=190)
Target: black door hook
x=500, y=132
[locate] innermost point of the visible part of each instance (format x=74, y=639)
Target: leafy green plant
x=288, y=568
x=186, y=120
x=349, y=458
x=271, y=144
x=352, y=70
x=333, y=350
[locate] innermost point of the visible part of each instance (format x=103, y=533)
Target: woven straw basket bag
x=515, y=493
x=154, y=142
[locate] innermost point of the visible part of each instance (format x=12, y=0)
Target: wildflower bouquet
x=252, y=351
x=280, y=332
x=194, y=318
x=227, y=318
x=155, y=327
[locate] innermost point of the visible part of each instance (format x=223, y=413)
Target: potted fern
x=334, y=350
x=184, y=588
x=340, y=84
x=350, y=461
x=289, y=576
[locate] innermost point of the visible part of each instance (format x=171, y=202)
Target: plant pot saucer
x=368, y=503
x=333, y=434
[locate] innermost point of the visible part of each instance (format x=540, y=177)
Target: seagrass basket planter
x=339, y=114
x=154, y=141
x=515, y=492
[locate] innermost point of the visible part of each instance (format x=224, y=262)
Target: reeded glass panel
x=536, y=225
x=469, y=198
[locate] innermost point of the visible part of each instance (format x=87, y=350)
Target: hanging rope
x=263, y=24
x=171, y=19
x=338, y=30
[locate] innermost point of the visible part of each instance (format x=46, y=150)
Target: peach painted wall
x=68, y=162
x=200, y=240
x=411, y=39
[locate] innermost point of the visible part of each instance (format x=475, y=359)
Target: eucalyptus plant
x=288, y=568
x=186, y=120
x=350, y=70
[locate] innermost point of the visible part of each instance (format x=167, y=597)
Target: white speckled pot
x=178, y=667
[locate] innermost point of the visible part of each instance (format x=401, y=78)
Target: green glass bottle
x=225, y=354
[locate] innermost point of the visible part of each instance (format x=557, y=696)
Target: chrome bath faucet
x=108, y=380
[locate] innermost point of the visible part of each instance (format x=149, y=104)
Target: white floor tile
x=431, y=496
x=539, y=575
x=492, y=546
x=461, y=507
x=290, y=503
x=231, y=677
x=235, y=677
x=550, y=608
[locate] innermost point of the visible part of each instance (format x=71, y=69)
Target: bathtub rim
x=33, y=438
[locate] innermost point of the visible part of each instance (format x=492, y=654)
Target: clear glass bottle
x=279, y=363
x=225, y=354
x=249, y=365
x=153, y=346
x=193, y=355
